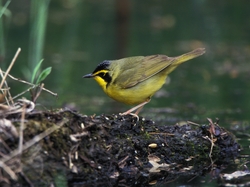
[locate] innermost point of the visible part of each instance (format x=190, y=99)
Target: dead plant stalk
x=10, y=66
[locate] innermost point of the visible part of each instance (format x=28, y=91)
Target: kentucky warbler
x=134, y=80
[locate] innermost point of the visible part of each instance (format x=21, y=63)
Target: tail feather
x=187, y=56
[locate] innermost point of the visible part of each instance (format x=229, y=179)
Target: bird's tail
x=187, y=56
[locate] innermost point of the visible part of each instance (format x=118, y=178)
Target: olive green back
x=128, y=72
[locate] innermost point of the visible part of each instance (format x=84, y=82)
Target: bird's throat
x=101, y=82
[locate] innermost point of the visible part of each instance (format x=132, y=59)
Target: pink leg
x=137, y=108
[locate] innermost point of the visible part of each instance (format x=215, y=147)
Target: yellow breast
x=136, y=94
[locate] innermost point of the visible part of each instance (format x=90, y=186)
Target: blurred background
x=73, y=36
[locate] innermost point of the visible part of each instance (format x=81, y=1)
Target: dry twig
x=10, y=66
x=33, y=85
x=20, y=146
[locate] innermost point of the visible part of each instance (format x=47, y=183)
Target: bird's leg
x=137, y=108
x=140, y=108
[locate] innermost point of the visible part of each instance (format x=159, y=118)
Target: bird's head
x=101, y=74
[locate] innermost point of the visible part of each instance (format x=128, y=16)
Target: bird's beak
x=88, y=76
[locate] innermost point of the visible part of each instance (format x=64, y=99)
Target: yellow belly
x=138, y=93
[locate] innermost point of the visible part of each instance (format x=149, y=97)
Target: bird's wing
x=138, y=69
x=134, y=70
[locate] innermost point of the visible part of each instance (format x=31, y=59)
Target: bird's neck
x=101, y=82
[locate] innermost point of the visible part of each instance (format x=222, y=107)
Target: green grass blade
x=4, y=8
x=6, y=12
x=39, y=13
x=34, y=73
x=43, y=75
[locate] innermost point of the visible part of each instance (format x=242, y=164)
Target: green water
x=81, y=34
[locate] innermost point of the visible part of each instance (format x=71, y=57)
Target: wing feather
x=138, y=69
x=134, y=70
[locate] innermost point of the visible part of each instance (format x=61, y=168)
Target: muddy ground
x=65, y=148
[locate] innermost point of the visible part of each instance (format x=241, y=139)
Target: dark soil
x=108, y=150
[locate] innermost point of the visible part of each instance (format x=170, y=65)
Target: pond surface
x=81, y=34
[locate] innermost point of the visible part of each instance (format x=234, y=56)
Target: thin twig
x=7, y=91
x=25, y=82
x=38, y=92
x=161, y=133
x=123, y=160
x=193, y=123
x=10, y=66
x=20, y=146
x=18, y=95
x=27, y=179
x=8, y=170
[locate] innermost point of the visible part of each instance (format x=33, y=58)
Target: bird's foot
x=130, y=113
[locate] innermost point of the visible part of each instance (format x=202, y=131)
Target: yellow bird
x=134, y=80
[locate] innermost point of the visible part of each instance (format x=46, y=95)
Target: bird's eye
x=101, y=74
x=105, y=76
